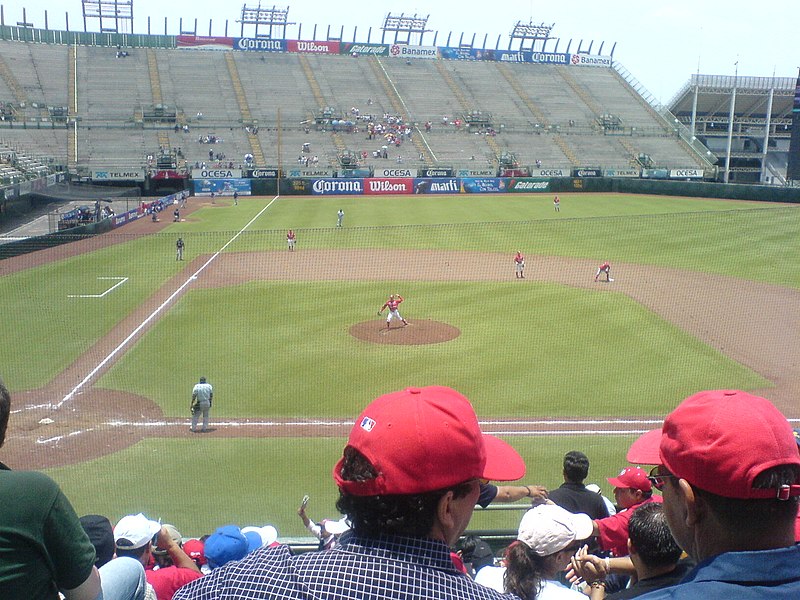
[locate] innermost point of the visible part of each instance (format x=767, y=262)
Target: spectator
x=326, y=531
x=226, y=544
x=138, y=537
x=408, y=482
x=475, y=553
x=548, y=537
x=729, y=468
x=195, y=549
x=654, y=557
x=572, y=495
x=259, y=537
x=101, y=535
x=43, y=547
x=632, y=488
x=121, y=578
x=595, y=489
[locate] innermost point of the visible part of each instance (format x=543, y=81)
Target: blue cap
x=227, y=543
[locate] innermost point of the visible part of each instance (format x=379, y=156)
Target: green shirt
x=43, y=547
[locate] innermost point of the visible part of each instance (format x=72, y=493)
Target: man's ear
x=631, y=547
x=693, y=505
x=444, y=509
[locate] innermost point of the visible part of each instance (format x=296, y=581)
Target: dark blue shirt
x=768, y=574
x=388, y=567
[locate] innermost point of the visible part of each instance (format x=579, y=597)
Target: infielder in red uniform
x=290, y=240
x=392, y=304
x=519, y=265
x=604, y=268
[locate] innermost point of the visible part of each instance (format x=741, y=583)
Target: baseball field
x=105, y=337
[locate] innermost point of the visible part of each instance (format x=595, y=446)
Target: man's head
x=134, y=536
x=650, y=538
x=412, y=454
x=227, y=543
x=5, y=411
x=576, y=466
x=631, y=487
x=202, y=380
x=101, y=534
x=730, y=470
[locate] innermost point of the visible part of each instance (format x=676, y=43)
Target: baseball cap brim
x=503, y=463
x=645, y=450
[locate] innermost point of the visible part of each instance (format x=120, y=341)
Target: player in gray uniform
x=202, y=395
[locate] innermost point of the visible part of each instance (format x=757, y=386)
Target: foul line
x=153, y=314
x=111, y=289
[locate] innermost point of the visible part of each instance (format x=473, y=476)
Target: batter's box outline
x=119, y=280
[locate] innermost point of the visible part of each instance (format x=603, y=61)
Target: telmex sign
x=108, y=175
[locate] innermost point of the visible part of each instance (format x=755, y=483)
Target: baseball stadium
x=444, y=157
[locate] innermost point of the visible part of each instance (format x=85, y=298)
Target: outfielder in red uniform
x=290, y=240
x=604, y=268
x=392, y=304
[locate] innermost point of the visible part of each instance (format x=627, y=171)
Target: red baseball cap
x=720, y=441
x=425, y=439
x=194, y=548
x=633, y=478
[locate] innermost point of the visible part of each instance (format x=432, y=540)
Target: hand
x=538, y=493
x=587, y=567
x=164, y=540
x=379, y=313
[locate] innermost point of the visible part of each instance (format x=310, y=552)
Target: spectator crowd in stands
x=414, y=467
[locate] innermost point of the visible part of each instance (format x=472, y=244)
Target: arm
x=179, y=558
x=512, y=493
x=88, y=590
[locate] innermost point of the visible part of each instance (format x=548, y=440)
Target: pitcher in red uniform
x=392, y=304
x=604, y=268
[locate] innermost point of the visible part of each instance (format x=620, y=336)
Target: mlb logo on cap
x=367, y=424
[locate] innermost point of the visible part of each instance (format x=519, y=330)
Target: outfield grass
x=281, y=349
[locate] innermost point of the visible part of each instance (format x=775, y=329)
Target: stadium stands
x=133, y=107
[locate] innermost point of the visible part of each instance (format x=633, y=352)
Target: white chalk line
x=109, y=290
x=158, y=310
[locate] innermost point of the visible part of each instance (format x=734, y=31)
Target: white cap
x=336, y=527
x=268, y=534
x=594, y=488
x=548, y=528
x=135, y=531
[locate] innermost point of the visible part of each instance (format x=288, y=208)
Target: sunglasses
x=658, y=477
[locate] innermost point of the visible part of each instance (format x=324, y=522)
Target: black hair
x=399, y=514
x=524, y=571
x=576, y=466
x=5, y=411
x=136, y=553
x=651, y=537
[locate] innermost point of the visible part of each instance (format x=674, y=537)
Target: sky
x=661, y=44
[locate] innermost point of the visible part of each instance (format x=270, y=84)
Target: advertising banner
x=217, y=174
x=364, y=172
x=259, y=45
x=296, y=186
x=262, y=173
x=395, y=172
x=483, y=185
x=301, y=172
x=204, y=43
x=167, y=174
x=527, y=184
x=435, y=172
x=118, y=174
x=334, y=187
x=376, y=186
x=221, y=187
x=24, y=187
x=587, y=172
x=621, y=173
x=550, y=173
x=352, y=48
x=436, y=186
x=524, y=56
x=457, y=53
x=405, y=51
x=692, y=173
x=586, y=60
x=309, y=47
x=486, y=172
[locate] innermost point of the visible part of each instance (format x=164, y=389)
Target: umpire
x=202, y=395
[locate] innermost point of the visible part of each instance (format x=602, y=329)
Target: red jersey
x=605, y=266
x=519, y=259
x=392, y=303
x=290, y=235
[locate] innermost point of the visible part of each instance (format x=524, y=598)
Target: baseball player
x=202, y=396
x=392, y=304
x=557, y=204
x=339, y=217
x=604, y=268
x=519, y=265
x=290, y=240
x=179, y=245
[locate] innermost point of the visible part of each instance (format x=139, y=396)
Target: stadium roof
x=752, y=96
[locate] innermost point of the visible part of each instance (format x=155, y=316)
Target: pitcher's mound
x=416, y=333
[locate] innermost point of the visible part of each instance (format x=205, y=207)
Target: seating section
x=553, y=114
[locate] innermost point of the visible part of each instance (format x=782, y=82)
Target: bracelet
x=598, y=584
x=529, y=494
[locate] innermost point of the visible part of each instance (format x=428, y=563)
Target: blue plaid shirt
x=388, y=567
